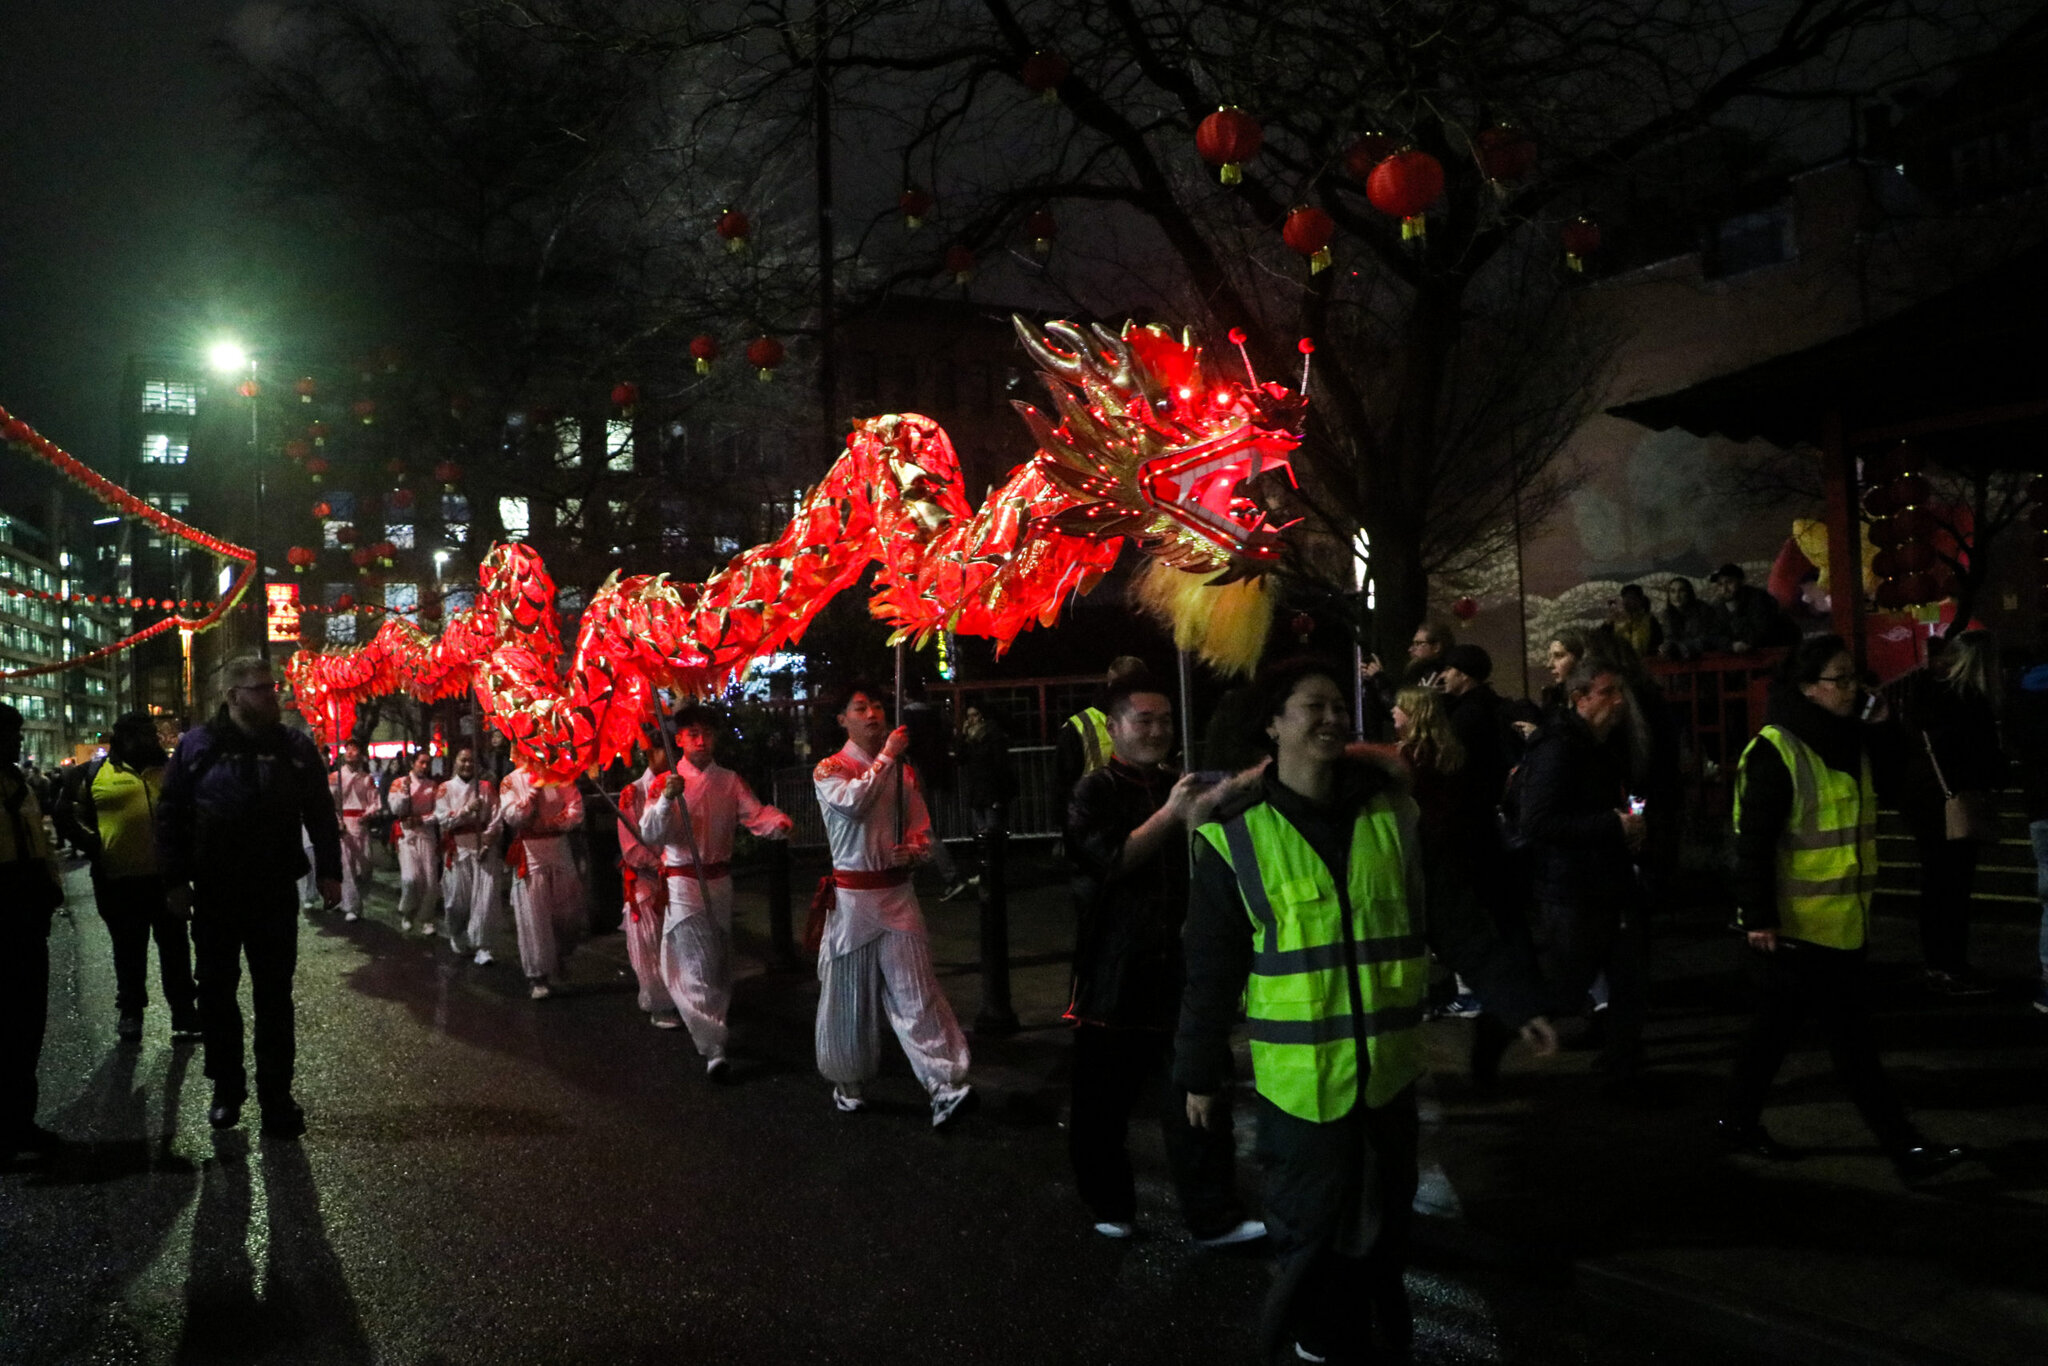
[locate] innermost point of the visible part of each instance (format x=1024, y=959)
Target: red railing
x=1718, y=701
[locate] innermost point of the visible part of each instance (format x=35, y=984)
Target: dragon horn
x=1051, y=361
x=1125, y=373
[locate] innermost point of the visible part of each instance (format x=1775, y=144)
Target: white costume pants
x=547, y=906
x=355, y=864
x=696, y=958
x=469, y=899
x=890, y=974
x=309, y=885
x=419, y=863
x=646, y=908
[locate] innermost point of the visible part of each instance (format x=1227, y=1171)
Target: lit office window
x=169, y=396
x=571, y=512
x=403, y=599
x=399, y=534
x=618, y=446
x=158, y=448
x=568, y=445
x=516, y=518
x=330, y=532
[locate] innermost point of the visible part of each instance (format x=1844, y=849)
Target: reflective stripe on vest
x=1304, y=1026
x=1093, y=728
x=1827, y=853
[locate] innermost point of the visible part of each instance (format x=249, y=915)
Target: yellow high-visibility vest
x=1093, y=728
x=1827, y=852
x=1305, y=1030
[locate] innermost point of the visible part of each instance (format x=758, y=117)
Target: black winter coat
x=1570, y=790
x=1127, y=950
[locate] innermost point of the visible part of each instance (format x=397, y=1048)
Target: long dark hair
x=1809, y=660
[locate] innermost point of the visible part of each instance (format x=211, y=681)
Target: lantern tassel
x=764, y=374
x=1319, y=262
x=735, y=245
x=1415, y=228
x=1575, y=262
x=1230, y=173
x=703, y=366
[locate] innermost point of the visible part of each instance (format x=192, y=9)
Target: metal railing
x=1037, y=811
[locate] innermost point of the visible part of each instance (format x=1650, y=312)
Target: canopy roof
x=1966, y=369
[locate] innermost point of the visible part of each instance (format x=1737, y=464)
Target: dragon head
x=1153, y=444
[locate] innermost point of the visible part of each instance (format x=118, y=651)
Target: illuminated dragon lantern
x=1147, y=442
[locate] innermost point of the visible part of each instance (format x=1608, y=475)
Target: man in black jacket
x=1575, y=813
x=1127, y=835
x=234, y=798
x=1478, y=720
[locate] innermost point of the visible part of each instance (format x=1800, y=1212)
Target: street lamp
x=227, y=358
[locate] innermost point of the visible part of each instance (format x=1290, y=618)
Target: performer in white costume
x=874, y=957
x=547, y=897
x=696, y=836
x=646, y=897
x=466, y=808
x=411, y=800
x=355, y=794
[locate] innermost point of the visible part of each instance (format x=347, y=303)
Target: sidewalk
x=1825, y=1259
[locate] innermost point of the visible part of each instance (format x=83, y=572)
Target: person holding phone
x=1806, y=802
x=1127, y=837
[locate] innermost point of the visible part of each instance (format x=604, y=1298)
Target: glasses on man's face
x=1839, y=680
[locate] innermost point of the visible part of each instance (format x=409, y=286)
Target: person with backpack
x=235, y=794
x=108, y=811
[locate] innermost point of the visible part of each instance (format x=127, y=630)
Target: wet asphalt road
x=492, y=1180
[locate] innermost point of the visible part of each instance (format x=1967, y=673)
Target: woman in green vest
x=1309, y=906
x=1806, y=801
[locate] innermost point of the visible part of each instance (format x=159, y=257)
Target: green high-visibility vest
x=1093, y=728
x=1305, y=1030
x=1827, y=852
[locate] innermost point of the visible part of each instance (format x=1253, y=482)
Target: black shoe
x=283, y=1119
x=1393, y=1314
x=129, y=1029
x=1922, y=1160
x=1752, y=1140
x=1490, y=1040
x=226, y=1111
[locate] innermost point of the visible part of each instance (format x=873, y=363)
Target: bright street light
x=227, y=357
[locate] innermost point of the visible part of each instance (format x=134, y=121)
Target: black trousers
x=1831, y=983
x=260, y=922
x=1577, y=942
x=1111, y=1069
x=133, y=908
x=1340, y=1205
x=1948, y=869
x=24, y=1008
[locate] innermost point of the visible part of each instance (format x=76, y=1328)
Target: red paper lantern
x=1404, y=186
x=360, y=557
x=317, y=467
x=448, y=472
x=1913, y=524
x=1878, y=502
x=625, y=395
x=704, y=350
x=1581, y=238
x=365, y=410
x=348, y=535
x=298, y=448
x=1366, y=151
x=734, y=228
x=960, y=263
x=300, y=556
x=323, y=510
x=401, y=498
x=1919, y=588
x=1042, y=74
x=1465, y=608
x=1227, y=139
x=1910, y=490
x=1891, y=595
x=16, y=432
x=1308, y=230
x=345, y=602
x=306, y=388
x=318, y=431
x=1884, y=533
x=248, y=388
x=1042, y=227
x=1303, y=625
x=764, y=354
x=1505, y=152
x=386, y=551
x=916, y=206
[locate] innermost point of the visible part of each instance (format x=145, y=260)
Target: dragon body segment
x=1148, y=445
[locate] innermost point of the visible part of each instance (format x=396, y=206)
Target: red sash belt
x=516, y=856
x=630, y=876
x=354, y=813
x=869, y=879
x=709, y=870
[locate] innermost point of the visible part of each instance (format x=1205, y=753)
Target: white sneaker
x=947, y=1108
x=1109, y=1229
x=665, y=1021
x=350, y=916
x=1245, y=1231
x=404, y=925
x=540, y=990
x=483, y=958
x=847, y=1102
x=427, y=928
x=1302, y=1353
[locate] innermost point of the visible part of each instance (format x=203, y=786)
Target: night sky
x=122, y=223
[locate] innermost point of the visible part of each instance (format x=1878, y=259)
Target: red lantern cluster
x=735, y=229
x=1581, y=238
x=301, y=556
x=704, y=350
x=916, y=206
x=960, y=263
x=1308, y=230
x=1042, y=74
x=1227, y=139
x=1404, y=186
x=764, y=354
x=1902, y=528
